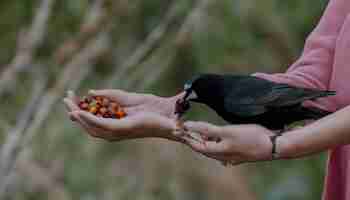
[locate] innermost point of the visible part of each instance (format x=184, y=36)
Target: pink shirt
x=325, y=64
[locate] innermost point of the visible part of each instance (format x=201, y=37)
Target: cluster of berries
x=102, y=107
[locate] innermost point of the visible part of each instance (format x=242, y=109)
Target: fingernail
x=188, y=124
x=75, y=113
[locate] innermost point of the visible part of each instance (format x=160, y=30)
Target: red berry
x=105, y=102
x=84, y=106
x=113, y=105
x=103, y=110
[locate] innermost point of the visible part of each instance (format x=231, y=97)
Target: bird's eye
x=187, y=86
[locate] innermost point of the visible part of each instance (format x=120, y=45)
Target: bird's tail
x=318, y=94
x=327, y=93
x=313, y=112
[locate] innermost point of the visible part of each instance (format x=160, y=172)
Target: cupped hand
x=147, y=116
x=238, y=143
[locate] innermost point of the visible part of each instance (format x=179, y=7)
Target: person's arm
x=250, y=143
x=314, y=68
x=147, y=116
x=326, y=133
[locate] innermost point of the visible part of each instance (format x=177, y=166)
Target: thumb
x=204, y=128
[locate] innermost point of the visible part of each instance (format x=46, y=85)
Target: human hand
x=147, y=116
x=238, y=143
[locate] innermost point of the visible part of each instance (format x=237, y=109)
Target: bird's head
x=199, y=89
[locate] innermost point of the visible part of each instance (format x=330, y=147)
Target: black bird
x=240, y=99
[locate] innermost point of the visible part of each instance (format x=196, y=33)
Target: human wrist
x=288, y=145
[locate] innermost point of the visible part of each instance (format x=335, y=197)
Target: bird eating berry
x=240, y=99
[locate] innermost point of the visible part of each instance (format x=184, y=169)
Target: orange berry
x=105, y=102
x=120, y=114
x=93, y=110
x=98, y=98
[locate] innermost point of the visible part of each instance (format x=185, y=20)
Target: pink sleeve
x=314, y=68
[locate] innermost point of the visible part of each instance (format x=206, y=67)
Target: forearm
x=324, y=134
x=314, y=68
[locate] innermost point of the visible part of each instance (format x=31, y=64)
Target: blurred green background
x=50, y=46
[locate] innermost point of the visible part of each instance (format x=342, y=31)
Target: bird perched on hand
x=240, y=99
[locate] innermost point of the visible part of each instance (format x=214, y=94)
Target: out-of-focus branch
x=5, y=126
x=28, y=42
x=95, y=20
x=41, y=179
x=144, y=49
x=229, y=184
x=192, y=20
x=151, y=72
x=278, y=35
x=73, y=73
x=78, y=68
x=9, y=183
x=182, y=36
x=9, y=150
x=225, y=186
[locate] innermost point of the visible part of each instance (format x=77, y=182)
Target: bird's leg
x=288, y=128
x=281, y=131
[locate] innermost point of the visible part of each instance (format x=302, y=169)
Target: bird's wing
x=258, y=99
x=248, y=99
x=283, y=95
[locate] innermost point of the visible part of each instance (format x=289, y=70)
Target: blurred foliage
x=242, y=36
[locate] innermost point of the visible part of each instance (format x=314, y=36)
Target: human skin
x=246, y=143
x=153, y=116
x=148, y=116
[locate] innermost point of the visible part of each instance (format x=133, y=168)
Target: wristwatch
x=274, y=154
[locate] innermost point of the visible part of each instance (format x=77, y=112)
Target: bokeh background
x=153, y=46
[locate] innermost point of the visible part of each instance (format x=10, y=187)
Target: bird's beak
x=187, y=94
x=190, y=95
x=183, y=104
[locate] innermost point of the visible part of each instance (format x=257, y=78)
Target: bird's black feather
x=248, y=99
